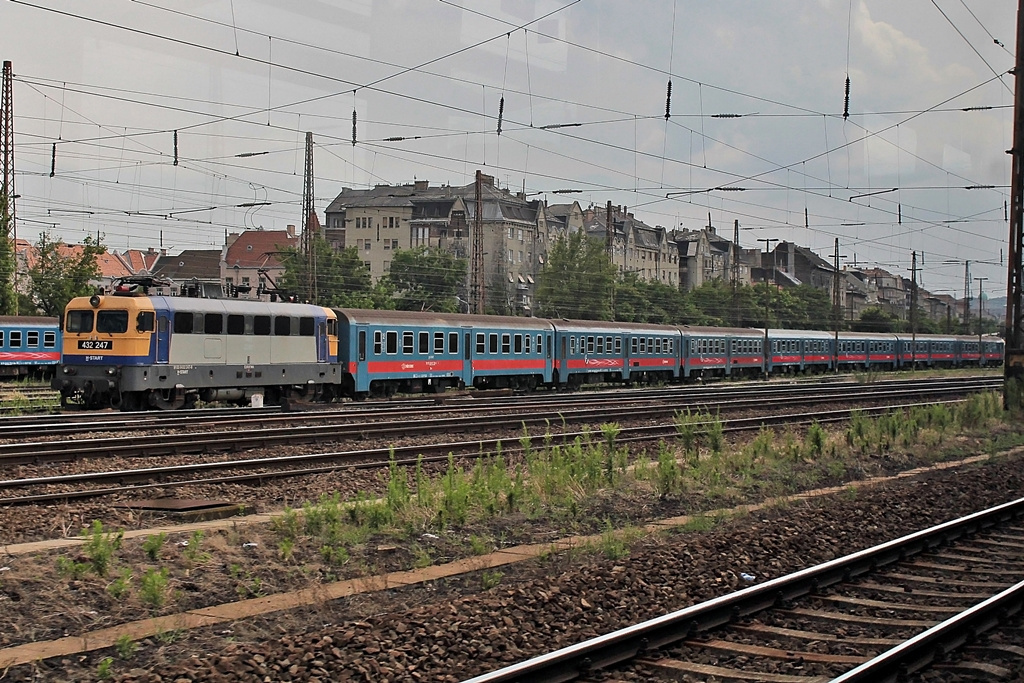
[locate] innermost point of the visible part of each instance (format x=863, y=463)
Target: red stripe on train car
x=510, y=364
x=852, y=358
x=884, y=356
x=706, y=361
x=943, y=356
x=29, y=355
x=817, y=359
x=785, y=359
x=747, y=360
x=652, y=362
x=593, y=363
x=400, y=366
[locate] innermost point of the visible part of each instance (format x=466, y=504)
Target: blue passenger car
x=384, y=352
x=29, y=346
x=591, y=351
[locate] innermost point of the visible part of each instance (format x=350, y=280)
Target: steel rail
x=619, y=646
x=933, y=644
x=29, y=426
x=371, y=458
x=232, y=440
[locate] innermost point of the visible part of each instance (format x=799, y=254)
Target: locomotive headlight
x=68, y=370
x=112, y=371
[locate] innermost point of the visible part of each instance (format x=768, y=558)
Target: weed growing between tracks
x=594, y=485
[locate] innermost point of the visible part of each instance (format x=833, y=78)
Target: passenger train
x=133, y=351
x=29, y=346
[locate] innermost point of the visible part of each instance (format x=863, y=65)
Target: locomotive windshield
x=79, y=321
x=113, y=322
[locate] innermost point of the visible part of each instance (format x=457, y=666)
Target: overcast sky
x=110, y=80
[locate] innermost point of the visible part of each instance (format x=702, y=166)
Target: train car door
x=163, y=337
x=467, y=356
x=321, y=341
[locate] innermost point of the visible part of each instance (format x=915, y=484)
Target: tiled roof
x=259, y=248
x=202, y=264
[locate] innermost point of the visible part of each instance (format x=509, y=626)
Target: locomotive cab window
x=79, y=321
x=112, y=322
x=182, y=323
x=261, y=325
x=307, y=327
x=145, y=321
x=282, y=326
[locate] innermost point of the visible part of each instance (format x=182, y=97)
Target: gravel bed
x=450, y=630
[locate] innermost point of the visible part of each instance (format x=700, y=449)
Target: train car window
x=439, y=342
x=213, y=323
x=453, y=342
x=307, y=327
x=114, y=322
x=424, y=345
x=506, y=343
x=590, y=344
x=492, y=344
x=548, y=346
x=600, y=345
x=572, y=346
x=618, y=346
x=362, y=344
x=282, y=326
x=32, y=339
x=407, y=343
x=378, y=342
x=79, y=321
x=392, y=342
x=643, y=345
x=261, y=325
x=1, y=337
x=49, y=340
x=145, y=321
x=480, y=346
x=236, y=324
x=657, y=345
x=538, y=343
x=528, y=340
x=517, y=344
x=15, y=339
x=634, y=346
x=182, y=323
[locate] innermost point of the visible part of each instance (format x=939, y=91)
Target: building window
x=510, y=233
x=394, y=244
x=520, y=235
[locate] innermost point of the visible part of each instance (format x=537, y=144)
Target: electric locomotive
x=133, y=351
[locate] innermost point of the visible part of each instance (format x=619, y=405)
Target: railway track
x=264, y=430
x=255, y=471
x=880, y=614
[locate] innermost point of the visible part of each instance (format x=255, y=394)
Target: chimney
x=421, y=185
x=487, y=180
x=290, y=230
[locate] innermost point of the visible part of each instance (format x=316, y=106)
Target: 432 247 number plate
x=95, y=344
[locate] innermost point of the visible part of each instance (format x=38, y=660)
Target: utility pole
x=7, y=194
x=609, y=231
x=1013, y=367
x=913, y=310
x=735, y=267
x=981, y=305
x=308, y=222
x=477, y=259
x=837, y=306
x=967, y=297
x=767, y=353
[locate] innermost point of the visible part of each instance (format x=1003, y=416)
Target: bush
x=100, y=546
x=154, y=587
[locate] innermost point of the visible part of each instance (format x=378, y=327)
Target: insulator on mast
x=175, y=148
x=353, y=127
x=53, y=160
x=501, y=112
x=668, y=100
x=846, y=105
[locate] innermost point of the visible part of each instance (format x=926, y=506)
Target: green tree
x=642, y=301
x=8, y=294
x=577, y=280
x=875, y=319
x=61, y=272
x=426, y=279
x=341, y=278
